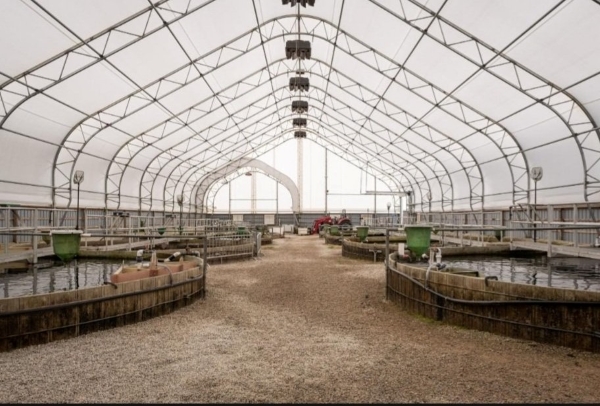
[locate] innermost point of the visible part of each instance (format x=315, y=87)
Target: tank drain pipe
x=170, y=273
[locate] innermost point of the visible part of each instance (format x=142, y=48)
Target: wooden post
x=34, y=239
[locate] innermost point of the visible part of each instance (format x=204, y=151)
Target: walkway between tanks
x=301, y=324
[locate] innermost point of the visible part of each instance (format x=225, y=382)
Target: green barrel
x=362, y=232
x=418, y=239
x=334, y=230
x=66, y=243
x=161, y=230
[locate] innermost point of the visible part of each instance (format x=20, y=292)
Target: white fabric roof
x=459, y=98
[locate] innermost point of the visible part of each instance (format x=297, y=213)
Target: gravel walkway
x=302, y=324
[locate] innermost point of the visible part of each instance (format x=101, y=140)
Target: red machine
x=342, y=220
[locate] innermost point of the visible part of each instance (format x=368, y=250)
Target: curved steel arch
x=212, y=177
x=209, y=180
x=587, y=168
x=278, y=136
x=452, y=142
x=276, y=125
x=532, y=91
x=480, y=178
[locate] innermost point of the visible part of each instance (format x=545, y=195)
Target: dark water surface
x=566, y=273
x=57, y=276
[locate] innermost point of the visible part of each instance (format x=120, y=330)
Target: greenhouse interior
x=453, y=144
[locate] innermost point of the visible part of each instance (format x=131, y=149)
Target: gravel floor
x=302, y=324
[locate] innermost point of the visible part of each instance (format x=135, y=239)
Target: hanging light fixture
x=299, y=134
x=297, y=49
x=298, y=83
x=303, y=3
x=299, y=122
x=299, y=106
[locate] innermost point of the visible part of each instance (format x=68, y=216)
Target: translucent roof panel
x=458, y=98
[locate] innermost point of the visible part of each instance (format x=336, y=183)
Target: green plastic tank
x=362, y=232
x=66, y=243
x=418, y=239
x=334, y=230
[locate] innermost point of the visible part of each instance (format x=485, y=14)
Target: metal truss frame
x=20, y=88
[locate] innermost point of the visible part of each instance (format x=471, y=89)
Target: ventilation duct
x=299, y=84
x=301, y=2
x=299, y=122
x=299, y=106
x=297, y=49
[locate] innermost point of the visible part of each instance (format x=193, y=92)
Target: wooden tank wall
x=563, y=317
x=40, y=319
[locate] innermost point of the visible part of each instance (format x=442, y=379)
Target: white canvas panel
x=237, y=69
x=19, y=194
x=535, y=125
x=89, y=17
x=498, y=201
x=439, y=65
x=95, y=172
x=564, y=48
x=174, y=140
x=433, y=5
x=186, y=96
x=408, y=101
x=25, y=160
x=321, y=50
x=343, y=100
x=150, y=58
x=379, y=29
x=496, y=177
x=554, y=160
x=129, y=203
x=495, y=23
x=588, y=94
x=106, y=143
x=481, y=147
x=491, y=96
x=28, y=37
x=447, y=124
x=208, y=120
x=132, y=178
x=91, y=200
x=386, y=121
x=211, y=26
x=254, y=95
x=571, y=194
x=93, y=89
x=143, y=120
x=43, y=118
x=460, y=186
x=360, y=72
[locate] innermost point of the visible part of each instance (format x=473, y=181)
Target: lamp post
x=388, y=207
x=77, y=179
x=428, y=196
x=180, y=203
x=536, y=174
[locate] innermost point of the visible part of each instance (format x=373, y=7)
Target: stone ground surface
x=300, y=325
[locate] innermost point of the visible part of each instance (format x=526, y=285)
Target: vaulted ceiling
x=454, y=101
